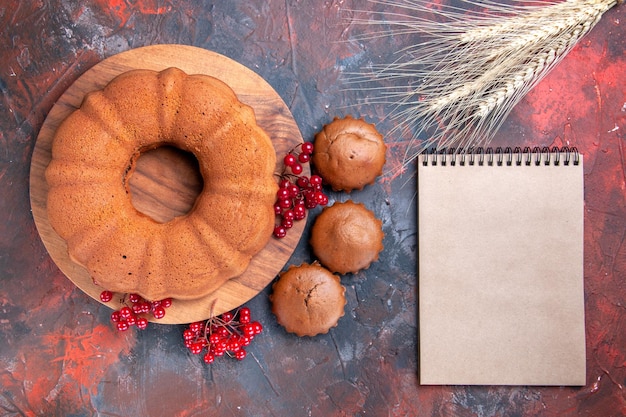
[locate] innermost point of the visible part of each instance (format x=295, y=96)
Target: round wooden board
x=272, y=115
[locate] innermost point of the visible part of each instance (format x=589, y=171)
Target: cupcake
x=347, y=237
x=308, y=299
x=349, y=154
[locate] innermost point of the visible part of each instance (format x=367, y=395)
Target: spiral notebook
x=501, y=267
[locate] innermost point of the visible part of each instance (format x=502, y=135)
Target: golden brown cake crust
x=308, y=300
x=349, y=153
x=93, y=156
x=347, y=237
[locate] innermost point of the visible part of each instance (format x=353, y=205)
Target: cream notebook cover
x=500, y=270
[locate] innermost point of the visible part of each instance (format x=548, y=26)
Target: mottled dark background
x=59, y=354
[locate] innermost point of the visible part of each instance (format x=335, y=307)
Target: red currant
x=142, y=323
x=126, y=312
x=257, y=327
x=286, y=223
x=283, y=193
x=296, y=168
x=280, y=231
x=227, y=317
x=302, y=182
x=196, y=327
x=294, y=190
x=196, y=348
x=244, y=315
x=320, y=198
x=223, y=332
x=222, y=344
x=284, y=183
x=304, y=158
x=240, y=354
x=307, y=148
x=222, y=335
x=289, y=160
x=106, y=296
x=158, y=312
x=284, y=203
x=289, y=215
x=297, y=192
x=132, y=320
x=315, y=180
x=310, y=203
x=299, y=211
x=130, y=314
x=214, y=338
x=248, y=330
x=233, y=344
x=122, y=325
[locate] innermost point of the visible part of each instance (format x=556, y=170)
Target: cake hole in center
x=166, y=183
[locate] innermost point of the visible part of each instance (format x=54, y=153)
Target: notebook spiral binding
x=499, y=156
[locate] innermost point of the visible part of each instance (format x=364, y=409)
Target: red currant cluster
x=135, y=309
x=227, y=334
x=296, y=193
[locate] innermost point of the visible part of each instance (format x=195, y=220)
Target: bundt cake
x=94, y=152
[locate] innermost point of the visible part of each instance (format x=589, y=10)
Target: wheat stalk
x=473, y=67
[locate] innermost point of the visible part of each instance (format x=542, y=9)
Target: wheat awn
x=472, y=66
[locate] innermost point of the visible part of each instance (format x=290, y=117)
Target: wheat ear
x=473, y=66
